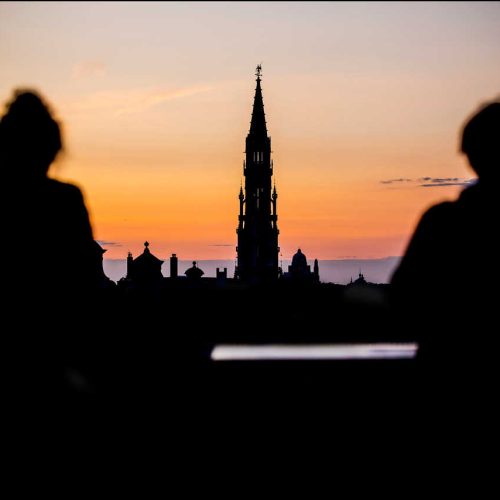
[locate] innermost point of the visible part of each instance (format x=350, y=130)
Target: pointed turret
x=241, y=217
x=274, y=217
x=258, y=123
x=316, y=270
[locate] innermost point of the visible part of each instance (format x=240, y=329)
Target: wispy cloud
x=432, y=181
x=87, y=69
x=445, y=181
x=392, y=181
x=119, y=102
x=105, y=243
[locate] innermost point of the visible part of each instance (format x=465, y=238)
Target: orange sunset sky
x=156, y=98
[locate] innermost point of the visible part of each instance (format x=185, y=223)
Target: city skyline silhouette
x=258, y=256
x=342, y=280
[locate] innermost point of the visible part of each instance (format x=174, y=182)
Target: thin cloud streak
x=109, y=243
x=391, y=181
x=442, y=184
x=87, y=69
x=120, y=102
x=445, y=181
x=432, y=181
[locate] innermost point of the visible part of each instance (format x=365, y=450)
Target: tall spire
x=258, y=123
x=257, y=229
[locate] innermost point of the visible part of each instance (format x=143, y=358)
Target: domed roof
x=194, y=272
x=299, y=259
x=361, y=279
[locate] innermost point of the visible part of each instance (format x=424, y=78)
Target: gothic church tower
x=257, y=229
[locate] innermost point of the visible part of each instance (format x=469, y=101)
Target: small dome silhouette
x=360, y=280
x=299, y=260
x=194, y=272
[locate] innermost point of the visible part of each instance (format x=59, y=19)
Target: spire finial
x=146, y=244
x=258, y=122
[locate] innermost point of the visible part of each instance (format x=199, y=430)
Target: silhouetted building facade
x=360, y=280
x=103, y=280
x=257, y=229
x=194, y=273
x=145, y=269
x=174, y=273
x=257, y=250
x=300, y=270
x=221, y=276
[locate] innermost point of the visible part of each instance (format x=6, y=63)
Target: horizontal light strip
x=227, y=352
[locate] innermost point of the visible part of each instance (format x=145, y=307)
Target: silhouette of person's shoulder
x=53, y=188
x=50, y=222
x=431, y=235
x=63, y=188
x=478, y=201
x=67, y=194
x=437, y=216
x=57, y=201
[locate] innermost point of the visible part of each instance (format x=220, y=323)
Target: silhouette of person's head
x=481, y=142
x=30, y=138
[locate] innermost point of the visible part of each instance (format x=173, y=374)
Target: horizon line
x=320, y=260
